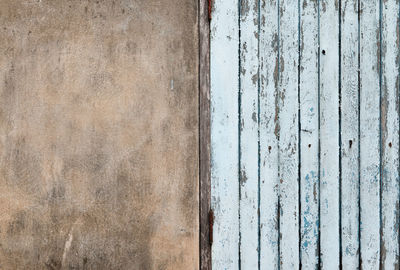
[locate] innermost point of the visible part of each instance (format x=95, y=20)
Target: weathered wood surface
x=269, y=126
x=309, y=134
x=349, y=76
x=369, y=134
x=329, y=134
x=288, y=138
x=389, y=45
x=204, y=136
x=99, y=134
x=224, y=80
x=249, y=180
x=316, y=143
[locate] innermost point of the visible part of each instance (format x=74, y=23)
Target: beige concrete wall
x=98, y=134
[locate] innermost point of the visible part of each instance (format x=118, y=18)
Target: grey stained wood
x=204, y=133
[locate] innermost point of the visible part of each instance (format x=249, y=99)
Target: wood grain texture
x=349, y=135
x=249, y=184
x=329, y=134
x=324, y=129
x=269, y=126
x=224, y=133
x=390, y=135
x=204, y=135
x=369, y=134
x=309, y=144
x=288, y=135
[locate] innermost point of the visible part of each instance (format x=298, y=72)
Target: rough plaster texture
x=98, y=134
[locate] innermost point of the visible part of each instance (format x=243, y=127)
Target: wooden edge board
x=204, y=135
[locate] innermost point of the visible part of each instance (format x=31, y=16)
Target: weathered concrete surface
x=98, y=134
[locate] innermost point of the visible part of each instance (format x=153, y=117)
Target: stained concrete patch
x=98, y=156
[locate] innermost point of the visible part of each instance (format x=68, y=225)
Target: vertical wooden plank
x=350, y=132
x=309, y=134
x=390, y=134
x=329, y=133
x=269, y=126
x=369, y=134
x=248, y=134
x=288, y=135
x=224, y=134
x=204, y=132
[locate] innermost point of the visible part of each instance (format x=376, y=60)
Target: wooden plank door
x=305, y=134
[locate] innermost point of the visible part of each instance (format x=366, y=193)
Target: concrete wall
x=98, y=134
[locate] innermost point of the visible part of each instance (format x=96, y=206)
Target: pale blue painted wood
x=329, y=134
x=309, y=134
x=299, y=138
x=390, y=134
x=249, y=185
x=369, y=135
x=288, y=135
x=349, y=135
x=224, y=134
x=269, y=178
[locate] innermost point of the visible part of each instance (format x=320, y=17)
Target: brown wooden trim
x=204, y=134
